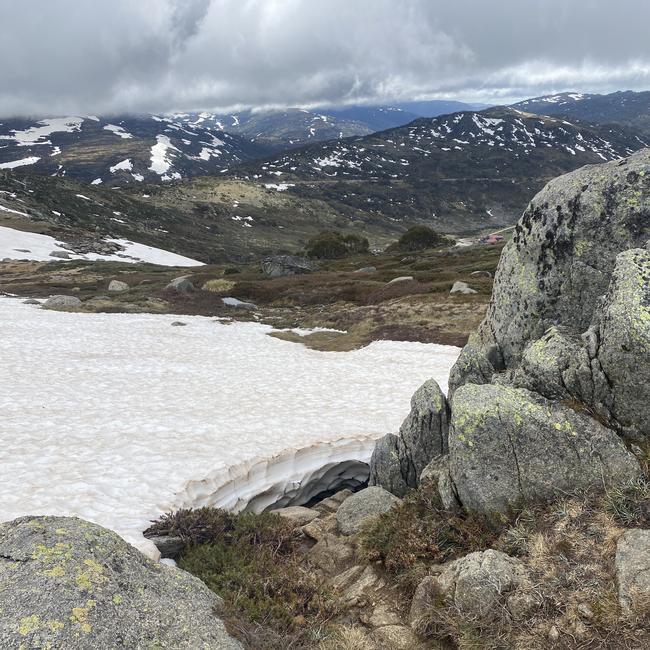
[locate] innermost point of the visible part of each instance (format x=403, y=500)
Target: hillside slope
x=458, y=172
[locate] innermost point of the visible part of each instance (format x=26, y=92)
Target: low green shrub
x=330, y=245
x=418, y=238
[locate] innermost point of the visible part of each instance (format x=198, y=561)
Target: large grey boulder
x=508, y=446
x=633, y=570
x=67, y=583
x=277, y=266
x=181, y=285
x=398, y=461
x=62, y=302
x=560, y=261
x=358, y=508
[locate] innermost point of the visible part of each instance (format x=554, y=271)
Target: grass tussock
x=569, y=549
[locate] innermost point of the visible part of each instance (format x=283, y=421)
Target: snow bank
x=20, y=245
x=117, y=418
x=32, y=160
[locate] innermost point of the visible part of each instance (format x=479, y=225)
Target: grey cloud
x=86, y=56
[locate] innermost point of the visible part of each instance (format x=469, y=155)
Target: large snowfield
x=118, y=418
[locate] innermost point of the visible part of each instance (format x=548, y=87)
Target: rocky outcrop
x=355, y=510
x=73, y=584
x=633, y=570
x=398, y=461
x=557, y=376
x=509, y=446
x=117, y=286
x=277, y=266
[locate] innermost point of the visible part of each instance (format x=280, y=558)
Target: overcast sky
x=102, y=56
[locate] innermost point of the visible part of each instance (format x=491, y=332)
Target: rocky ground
x=389, y=296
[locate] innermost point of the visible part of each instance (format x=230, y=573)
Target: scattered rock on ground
x=333, y=503
x=277, y=266
x=73, y=584
x=633, y=570
x=298, y=515
x=180, y=285
x=403, y=278
x=367, y=269
x=238, y=304
x=179, y=323
x=62, y=302
x=64, y=255
x=355, y=510
x=31, y=301
x=478, y=583
x=118, y=286
x=462, y=287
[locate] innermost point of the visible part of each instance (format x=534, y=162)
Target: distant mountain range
x=215, y=187
x=627, y=108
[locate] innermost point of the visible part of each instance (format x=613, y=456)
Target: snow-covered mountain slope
x=121, y=150
x=457, y=172
x=473, y=143
x=631, y=109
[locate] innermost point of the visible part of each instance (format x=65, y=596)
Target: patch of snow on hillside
x=40, y=247
x=32, y=160
x=125, y=165
x=135, y=446
x=36, y=134
x=280, y=187
x=160, y=160
x=118, y=130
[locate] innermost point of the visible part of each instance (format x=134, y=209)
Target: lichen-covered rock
x=67, y=583
x=477, y=585
x=398, y=461
x=509, y=446
x=62, y=302
x=118, y=286
x=367, y=503
x=624, y=342
x=277, y=266
x=633, y=570
x=560, y=261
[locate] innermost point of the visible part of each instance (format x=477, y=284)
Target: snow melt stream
x=118, y=418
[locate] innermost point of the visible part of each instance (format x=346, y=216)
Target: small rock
x=62, y=302
x=333, y=503
x=383, y=614
x=180, y=285
x=179, y=323
x=553, y=634
x=297, y=515
x=354, y=584
x=169, y=546
x=585, y=611
x=403, y=278
x=522, y=604
x=238, y=304
x=355, y=510
x=64, y=255
x=117, y=286
x=318, y=528
x=331, y=554
x=367, y=269
x=462, y=287
x=31, y=301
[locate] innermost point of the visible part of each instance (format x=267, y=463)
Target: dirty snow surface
x=110, y=417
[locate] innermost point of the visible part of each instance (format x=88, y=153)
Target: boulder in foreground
x=73, y=584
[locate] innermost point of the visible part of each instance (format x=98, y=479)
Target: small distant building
x=491, y=239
